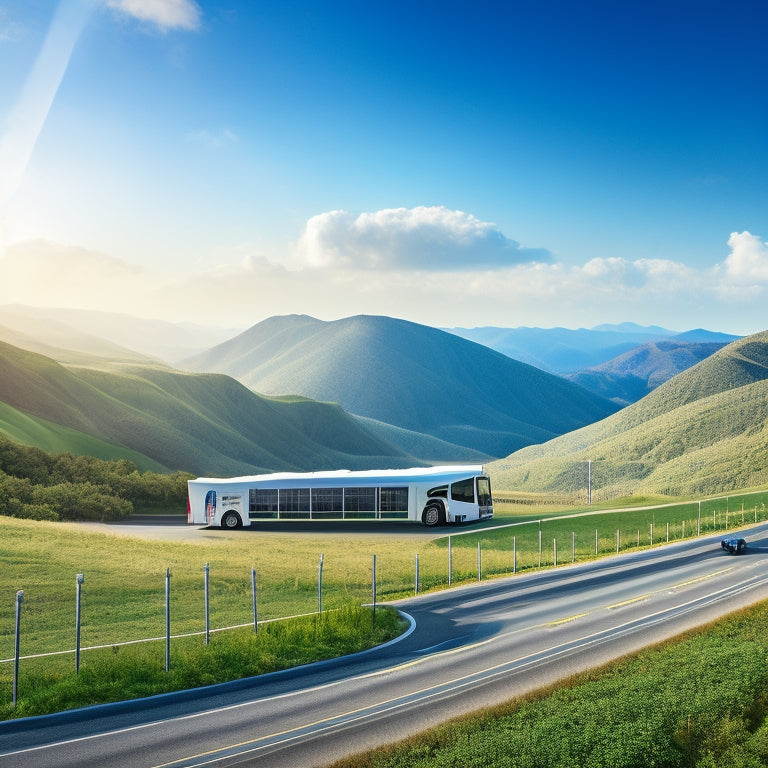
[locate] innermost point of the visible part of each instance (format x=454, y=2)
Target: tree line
x=38, y=485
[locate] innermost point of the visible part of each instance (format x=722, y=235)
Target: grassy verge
x=698, y=702
x=118, y=673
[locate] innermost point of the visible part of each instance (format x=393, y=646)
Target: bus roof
x=346, y=476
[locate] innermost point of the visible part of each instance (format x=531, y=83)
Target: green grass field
x=123, y=594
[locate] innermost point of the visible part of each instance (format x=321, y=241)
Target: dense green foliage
x=700, y=702
x=128, y=672
x=42, y=486
x=703, y=432
x=409, y=375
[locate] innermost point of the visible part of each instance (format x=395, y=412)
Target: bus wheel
x=231, y=520
x=433, y=515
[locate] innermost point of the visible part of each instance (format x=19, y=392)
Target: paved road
x=471, y=646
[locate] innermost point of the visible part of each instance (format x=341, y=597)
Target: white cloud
x=748, y=261
x=430, y=238
x=166, y=14
x=249, y=287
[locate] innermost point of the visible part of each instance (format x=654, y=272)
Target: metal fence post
x=416, y=578
x=19, y=599
x=450, y=560
x=514, y=554
x=253, y=600
x=320, y=585
x=207, y=607
x=78, y=584
x=373, y=587
x=167, y=619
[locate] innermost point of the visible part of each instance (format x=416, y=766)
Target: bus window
x=441, y=492
x=484, y=492
x=464, y=490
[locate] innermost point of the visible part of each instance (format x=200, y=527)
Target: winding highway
x=467, y=647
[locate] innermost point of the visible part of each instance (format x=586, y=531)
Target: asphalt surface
x=469, y=647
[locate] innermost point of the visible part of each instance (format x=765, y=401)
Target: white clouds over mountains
x=424, y=238
x=430, y=265
x=747, y=263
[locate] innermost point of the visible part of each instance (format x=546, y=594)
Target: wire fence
x=236, y=603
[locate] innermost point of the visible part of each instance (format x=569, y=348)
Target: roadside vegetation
x=38, y=485
x=117, y=673
x=699, y=701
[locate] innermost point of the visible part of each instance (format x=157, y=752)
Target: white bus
x=432, y=495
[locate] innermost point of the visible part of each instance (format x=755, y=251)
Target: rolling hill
x=631, y=376
x=411, y=376
x=703, y=431
x=207, y=424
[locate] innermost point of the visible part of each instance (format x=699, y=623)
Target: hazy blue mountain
x=631, y=376
x=565, y=351
x=562, y=350
x=411, y=376
x=89, y=331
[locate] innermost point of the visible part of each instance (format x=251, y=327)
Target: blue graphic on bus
x=210, y=506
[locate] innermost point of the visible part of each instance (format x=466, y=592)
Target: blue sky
x=458, y=164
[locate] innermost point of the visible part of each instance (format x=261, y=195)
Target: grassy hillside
x=408, y=375
x=704, y=431
x=33, y=431
x=207, y=424
x=629, y=377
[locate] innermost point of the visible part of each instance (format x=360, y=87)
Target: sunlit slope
x=207, y=424
x=40, y=433
x=705, y=430
x=408, y=375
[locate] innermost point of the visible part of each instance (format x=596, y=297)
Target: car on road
x=734, y=546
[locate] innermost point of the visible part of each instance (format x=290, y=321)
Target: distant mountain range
x=105, y=334
x=631, y=376
x=565, y=351
x=387, y=392
x=619, y=362
x=703, y=431
x=411, y=376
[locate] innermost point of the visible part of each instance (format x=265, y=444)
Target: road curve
x=471, y=646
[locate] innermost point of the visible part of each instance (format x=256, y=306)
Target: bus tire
x=433, y=515
x=231, y=520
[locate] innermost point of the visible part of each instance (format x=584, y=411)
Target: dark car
x=734, y=546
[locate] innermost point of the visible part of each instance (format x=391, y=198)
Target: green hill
x=40, y=433
x=704, y=431
x=206, y=424
x=411, y=376
x=632, y=375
